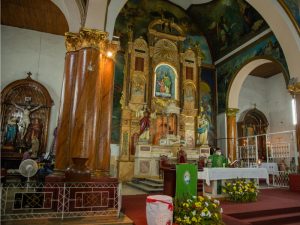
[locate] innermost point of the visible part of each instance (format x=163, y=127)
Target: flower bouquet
x=198, y=210
x=240, y=190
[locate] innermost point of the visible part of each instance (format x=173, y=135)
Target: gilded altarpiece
x=160, y=101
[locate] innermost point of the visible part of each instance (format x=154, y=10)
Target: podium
x=169, y=181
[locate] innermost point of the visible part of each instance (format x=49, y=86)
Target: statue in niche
x=11, y=131
x=25, y=120
x=145, y=126
x=202, y=129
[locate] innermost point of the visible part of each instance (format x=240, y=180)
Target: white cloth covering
x=209, y=174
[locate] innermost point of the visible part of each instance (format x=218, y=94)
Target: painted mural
x=227, y=24
x=165, y=78
x=292, y=7
x=118, y=87
x=201, y=43
x=207, y=101
x=134, y=18
x=268, y=47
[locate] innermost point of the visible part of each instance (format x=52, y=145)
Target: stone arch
x=239, y=78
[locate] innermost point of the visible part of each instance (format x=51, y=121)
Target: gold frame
x=290, y=15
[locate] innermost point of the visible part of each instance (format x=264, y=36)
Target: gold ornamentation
x=93, y=38
x=72, y=41
x=294, y=88
x=231, y=111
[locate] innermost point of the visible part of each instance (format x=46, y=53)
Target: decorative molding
x=91, y=38
x=231, y=111
x=294, y=89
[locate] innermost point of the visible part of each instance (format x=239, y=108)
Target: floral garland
x=240, y=190
x=198, y=210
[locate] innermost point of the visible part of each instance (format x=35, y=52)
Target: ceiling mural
x=267, y=47
x=227, y=24
x=137, y=14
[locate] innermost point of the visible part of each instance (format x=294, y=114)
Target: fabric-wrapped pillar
x=231, y=133
x=64, y=126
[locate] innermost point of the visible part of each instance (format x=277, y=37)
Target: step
x=158, y=181
x=151, y=184
x=281, y=219
x=263, y=213
x=144, y=187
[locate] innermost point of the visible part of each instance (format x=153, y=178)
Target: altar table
x=216, y=177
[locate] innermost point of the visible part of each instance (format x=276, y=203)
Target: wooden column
x=231, y=133
x=294, y=89
x=64, y=126
x=90, y=103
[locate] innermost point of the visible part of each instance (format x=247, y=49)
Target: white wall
x=271, y=97
x=40, y=53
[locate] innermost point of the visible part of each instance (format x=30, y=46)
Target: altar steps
x=281, y=216
x=148, y=185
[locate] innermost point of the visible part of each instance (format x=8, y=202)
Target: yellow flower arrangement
x=198, y=210
x=240, y=190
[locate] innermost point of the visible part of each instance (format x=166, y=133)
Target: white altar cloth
x=209, y=174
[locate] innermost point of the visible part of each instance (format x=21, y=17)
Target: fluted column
x=231, y=133
x=294, y=89
x=64, y=126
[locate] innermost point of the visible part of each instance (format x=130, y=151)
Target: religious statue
x=25, y=121
x=217, y=159
x=35, y=145
x=202, y=129
x=34, y=131
x=10, y=131
x=145, y=126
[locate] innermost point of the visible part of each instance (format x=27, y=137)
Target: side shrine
x=161, y=102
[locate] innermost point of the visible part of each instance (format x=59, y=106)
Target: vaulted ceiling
x=45, y=16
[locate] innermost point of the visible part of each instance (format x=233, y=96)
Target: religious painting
x=292, y=8
x=118, y=87
x=267, y=46
x=135, y=16
x=199, y=42
x=227, y=24
x=207, y=101
x=165, y=81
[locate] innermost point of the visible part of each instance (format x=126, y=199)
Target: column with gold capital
x=294, y=89
x=62, y=155
x=92, y=100
x=231, y=133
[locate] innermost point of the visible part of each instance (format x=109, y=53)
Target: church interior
x=104, y=100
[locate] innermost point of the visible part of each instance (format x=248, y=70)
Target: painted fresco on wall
x=207, y=101
x=227, y=24
x=269, y=46
x=137, y=14
x=118, y=87
x=199, y=41
x=165, y=78
x=292, y=8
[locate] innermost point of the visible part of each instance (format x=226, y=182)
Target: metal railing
x=59, y=200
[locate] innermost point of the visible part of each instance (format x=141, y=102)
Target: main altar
x=214, y=178
x=162, y=105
